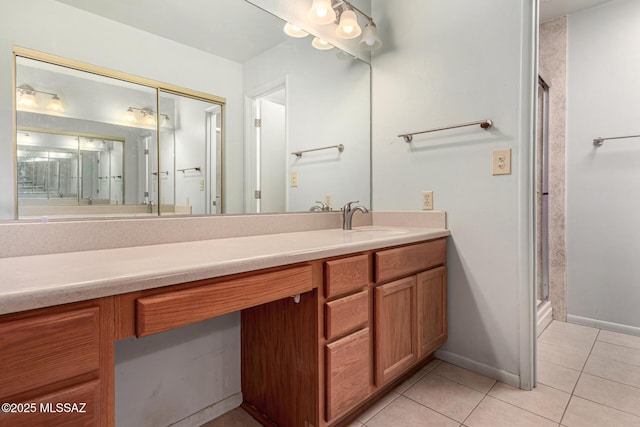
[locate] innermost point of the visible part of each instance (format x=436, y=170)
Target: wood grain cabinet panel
x=76, y=406
x=45, y=349
x=348, y=371
x=393, y=263
x=346, y=314
x=173, y=309
x=346, y=275
x=432, y=309
x=395, y=328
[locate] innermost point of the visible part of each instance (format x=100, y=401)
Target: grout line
x=528, y=410
x=475, y=407
x=607, y=406
x=431, y=409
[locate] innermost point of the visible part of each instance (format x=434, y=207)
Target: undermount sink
x=378, y=231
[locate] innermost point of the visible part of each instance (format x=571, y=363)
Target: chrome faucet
x=321, y=206
x=347, y=214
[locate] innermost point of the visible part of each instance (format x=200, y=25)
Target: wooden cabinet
x=395, y=328
x=57, y=356
x=431, y=309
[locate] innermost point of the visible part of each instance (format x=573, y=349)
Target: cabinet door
x=395, y=328
x=348, y=372
x=432, y=310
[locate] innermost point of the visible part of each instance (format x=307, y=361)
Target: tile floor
x=586, y=377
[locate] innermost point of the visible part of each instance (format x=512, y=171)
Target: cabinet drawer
x=346, y=314
x=48, y=348
x=346, y=275
x=72, y=407
x=398, y=262
x=178, y=308
x=348, y=373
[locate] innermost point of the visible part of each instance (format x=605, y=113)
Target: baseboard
x=210, y=412
x=545, y=316
x=486, y=370
x=601, y=324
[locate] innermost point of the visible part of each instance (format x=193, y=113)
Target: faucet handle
x=347, y=207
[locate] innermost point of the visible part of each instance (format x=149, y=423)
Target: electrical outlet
x=202, y=185
x=328, y=200
x=294, y=178
x=502, y=162
x=427, y=200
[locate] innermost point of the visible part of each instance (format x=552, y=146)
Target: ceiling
x=232, y=29
x=551, y=9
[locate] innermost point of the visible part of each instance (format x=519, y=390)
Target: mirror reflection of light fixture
x=370, y=39
x=321, y=44
x=348, y=27
x=27, y=98
x=321, y=12
x=25, y=138
x=294, y=31
x=148, y=117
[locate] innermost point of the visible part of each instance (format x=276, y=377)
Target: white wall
x=603, y=184
x=449, y=62
x=85, y=37
x=327, y=104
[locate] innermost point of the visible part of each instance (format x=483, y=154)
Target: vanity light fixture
x=130, y=116
x=294, y=31
x=27, y=98
x=321, y=44
x=347, y=21
x=149, y=117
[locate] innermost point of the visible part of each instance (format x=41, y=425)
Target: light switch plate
x=502, y=162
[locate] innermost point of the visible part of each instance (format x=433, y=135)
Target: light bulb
x=55, y=104
x=27, y=96
x=348, y=27
x=370, y=39
x=321, y=12
x=130, y=116
x=294, y=31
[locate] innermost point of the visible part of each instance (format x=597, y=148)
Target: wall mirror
x=296, y=132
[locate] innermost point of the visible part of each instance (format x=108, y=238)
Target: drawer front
x=348, y=373
x=48, y=348
x=346, y=275
x=178, y=308
x=346, y=314
x=398, y=262
x=72, y=407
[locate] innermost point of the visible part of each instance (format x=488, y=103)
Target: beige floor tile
x=580, y=341
x=610, y=393
x=404, y=412
x=617, y=353
x=465, y=377
x=613, y=370
x=569, y=358
x=406, y=384
x=495, y=413
x=377, y=407
x=584, y=413
x=445, y=396
x=572, y=329
x=542, y=400
x=234, y=418
x=620, y=339
x=557, y=376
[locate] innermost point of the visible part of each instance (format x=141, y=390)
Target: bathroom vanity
x=331, y=319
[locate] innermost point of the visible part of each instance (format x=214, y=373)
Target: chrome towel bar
x=197, y=169
x=340, y=148
x=484, y=124
x=599, y=141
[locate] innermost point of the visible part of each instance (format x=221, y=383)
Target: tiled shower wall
x=553, y=69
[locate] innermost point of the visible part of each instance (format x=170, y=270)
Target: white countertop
x=29, y=282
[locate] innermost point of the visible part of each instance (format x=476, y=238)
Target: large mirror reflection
x=295, y=132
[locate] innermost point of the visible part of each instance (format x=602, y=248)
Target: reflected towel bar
x=599, y=141
x=161, y=173
x=340, y=148
x=197, y=169
x=484, y=124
